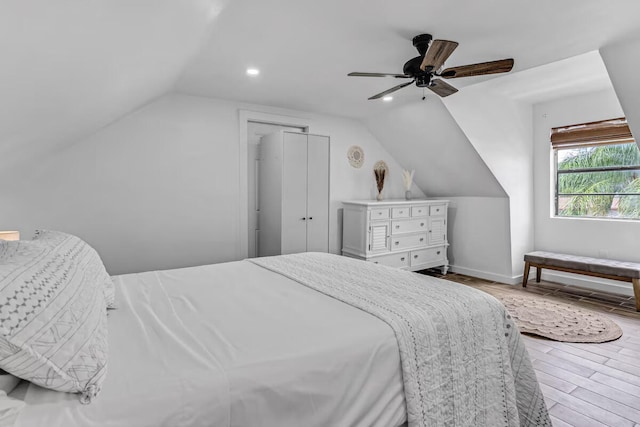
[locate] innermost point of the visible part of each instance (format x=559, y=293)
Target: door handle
x=303, y=218
x=310, y=218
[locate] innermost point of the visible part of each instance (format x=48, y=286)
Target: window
x=597, y=170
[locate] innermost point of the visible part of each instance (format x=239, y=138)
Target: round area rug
x=555, y=320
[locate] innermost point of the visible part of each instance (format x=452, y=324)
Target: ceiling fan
x=422, y=69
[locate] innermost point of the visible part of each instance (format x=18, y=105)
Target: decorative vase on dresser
x=411, y=235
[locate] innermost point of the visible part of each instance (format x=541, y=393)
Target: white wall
x=616, y=239
x=479, y=241
x=160, y=188
x=500, y=130
x=424, y=136
x=622, y=61
x=70, y=67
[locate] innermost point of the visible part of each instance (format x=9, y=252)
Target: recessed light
x=387, y=98
x=253, y=71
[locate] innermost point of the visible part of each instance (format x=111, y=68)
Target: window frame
x=593, y=134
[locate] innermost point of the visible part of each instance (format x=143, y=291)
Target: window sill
x=597, y=219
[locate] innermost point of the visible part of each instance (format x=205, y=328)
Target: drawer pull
x=415, y=256
x=422, y=224
x=438, y=210
x=396, y=243
x=422, y=239
x=379, y=213
x=402, y=259
x=400, y=212
x=397, y=226
x=310, y=218
x=303, y=218
x=438, y=253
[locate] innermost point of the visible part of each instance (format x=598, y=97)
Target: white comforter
x=463, y=360
x=233, y=345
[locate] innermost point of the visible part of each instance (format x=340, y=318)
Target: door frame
x=246, y=116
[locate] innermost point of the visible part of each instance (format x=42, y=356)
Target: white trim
x=595, y=284
x=486, y=275
x=624, y=288
x=244, y=117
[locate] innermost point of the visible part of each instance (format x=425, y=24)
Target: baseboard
x=595, y=284
x=486, y=275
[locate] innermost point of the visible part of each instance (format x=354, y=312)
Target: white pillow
x=57, y=237
x=53, y=321
x=9, y=409
x=7, y=382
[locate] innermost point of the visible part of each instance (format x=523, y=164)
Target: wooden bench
x=598, y=267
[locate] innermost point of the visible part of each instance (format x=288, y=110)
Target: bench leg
x=636, y=292
x=525, y=275
x=538, y=274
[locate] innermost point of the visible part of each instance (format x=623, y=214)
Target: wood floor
x=585, y=385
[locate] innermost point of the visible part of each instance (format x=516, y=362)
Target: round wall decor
x=355, y=156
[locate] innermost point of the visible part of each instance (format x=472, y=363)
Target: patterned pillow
x=57, y=237
x=53, y=321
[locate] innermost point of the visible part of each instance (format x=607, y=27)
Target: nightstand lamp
x=9, y=235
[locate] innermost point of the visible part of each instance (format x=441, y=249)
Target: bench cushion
x=594, y=265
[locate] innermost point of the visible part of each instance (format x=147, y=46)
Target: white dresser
x=411, y=235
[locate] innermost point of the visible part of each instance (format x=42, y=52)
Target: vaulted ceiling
x=71, y=67
x=306, y=48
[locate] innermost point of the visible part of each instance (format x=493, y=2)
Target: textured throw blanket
x=463, y=360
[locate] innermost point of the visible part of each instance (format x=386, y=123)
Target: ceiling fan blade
x=393, y=89
x=492, y=67
x=442, y=88
x=438, y=52
x=399, y=76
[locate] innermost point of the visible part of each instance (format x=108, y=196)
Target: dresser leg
x=445, y=268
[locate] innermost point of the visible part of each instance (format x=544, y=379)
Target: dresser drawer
x=437, y=210
x=410, y=241
x=408, y=226
x=379, y=213
x=398, y=260
x=400, y=212
x=423, y=256
x=419, y=210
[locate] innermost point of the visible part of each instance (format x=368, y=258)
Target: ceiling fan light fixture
x=423, y=81
x=387, y=98
x=253, y=71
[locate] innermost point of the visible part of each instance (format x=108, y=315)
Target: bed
x=277, y=342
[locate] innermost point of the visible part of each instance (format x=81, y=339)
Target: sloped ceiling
x=72, y=66
x=423, y=136
x=69, y=67
x=305, y=49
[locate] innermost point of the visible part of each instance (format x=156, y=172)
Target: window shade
x=614, y=131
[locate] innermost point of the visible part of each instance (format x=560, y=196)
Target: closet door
x=318, y=194
x=294, y=193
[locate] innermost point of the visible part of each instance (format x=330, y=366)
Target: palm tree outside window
x=597, y=170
